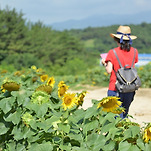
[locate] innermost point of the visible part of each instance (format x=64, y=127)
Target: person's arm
x=108, y=66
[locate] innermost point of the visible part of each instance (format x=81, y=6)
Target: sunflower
x=118, y=110
x=4, y=71
x=33, y=67
x=109, y=103
x=40, y=97
x=62, y=88
x=126, y=123
x=2, y=88
x=147, y=133
x=27, y=118
x=80, y=98
x=17, y=73
x=45, y=88
x=44, y=77
x=51, y=81
x=34, y=79
x=39, y=70
x=11, y=86
x=69, y=100
x=61, y=83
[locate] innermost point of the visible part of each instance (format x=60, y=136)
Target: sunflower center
x=68, y=101
x=62, y=90
x=149, y=133
x=109, y=104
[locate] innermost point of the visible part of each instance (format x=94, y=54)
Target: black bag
x=127, y=79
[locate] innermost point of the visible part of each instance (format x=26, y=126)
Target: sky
x=52, y=11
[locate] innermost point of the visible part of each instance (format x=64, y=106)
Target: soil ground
x=140, y=108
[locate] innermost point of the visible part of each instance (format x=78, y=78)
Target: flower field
x=37, y=113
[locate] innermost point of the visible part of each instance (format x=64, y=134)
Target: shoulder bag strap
x=117, y=58
x=133, y=57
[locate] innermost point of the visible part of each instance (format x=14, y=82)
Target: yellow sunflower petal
x=61, y=83
x=51, y=81
x=147, y=134
x=109, y=103
x=80, y=98
x=62, y=89
x=44, y=77
x=69, y=100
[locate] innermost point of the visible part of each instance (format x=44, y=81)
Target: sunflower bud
x=11, y=86
x=40, y=97
x=27, y=118
x=45, y=88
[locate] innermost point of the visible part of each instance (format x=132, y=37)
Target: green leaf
x=64, y=127
x=18, y=135
x=41, y=124
x=52, y=119
x=20, y=96
x=107, y=127
x=140, y=144
x=11, y=145
x=108, y=118
x=3, y=128
x=33, y=124
x=20, y=147
x=14, y=117
x=78, y=137
x=65, y=114
x=134, y=148
x=127, y=134
x=64, y=147
x=131, y=132
x=27, y=132
x=90, y=126
x=40, y=110
x=135, y=130
x=48, y=122
x=6, y=104
x=92, y=111
x=99, y=142
x=109, y=146
x=124, y=146
x=77, y=115
x=47, y=146
x=113, y=132
x=148, y=146
x=79, y=149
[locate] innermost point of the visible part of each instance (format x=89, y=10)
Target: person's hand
x=103, y=62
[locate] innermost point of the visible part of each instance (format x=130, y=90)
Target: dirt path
x=140, y=108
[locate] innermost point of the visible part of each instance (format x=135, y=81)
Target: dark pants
x=125, y=98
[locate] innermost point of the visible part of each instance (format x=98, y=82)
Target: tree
x=12, y=33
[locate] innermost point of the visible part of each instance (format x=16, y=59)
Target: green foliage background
x=68, y=52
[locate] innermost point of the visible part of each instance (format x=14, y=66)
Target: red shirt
x=126, y=58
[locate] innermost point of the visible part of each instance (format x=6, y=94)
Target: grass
x=89, y=43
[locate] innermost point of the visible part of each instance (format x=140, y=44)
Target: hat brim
x=124, y=37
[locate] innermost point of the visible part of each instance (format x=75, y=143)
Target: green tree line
x=23, y=44
x=99, y=39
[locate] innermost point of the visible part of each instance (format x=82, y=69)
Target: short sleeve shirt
x=126, y=58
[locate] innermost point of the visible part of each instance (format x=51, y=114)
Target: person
x=125, y=52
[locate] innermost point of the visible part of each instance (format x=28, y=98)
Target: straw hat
x=123, y=32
